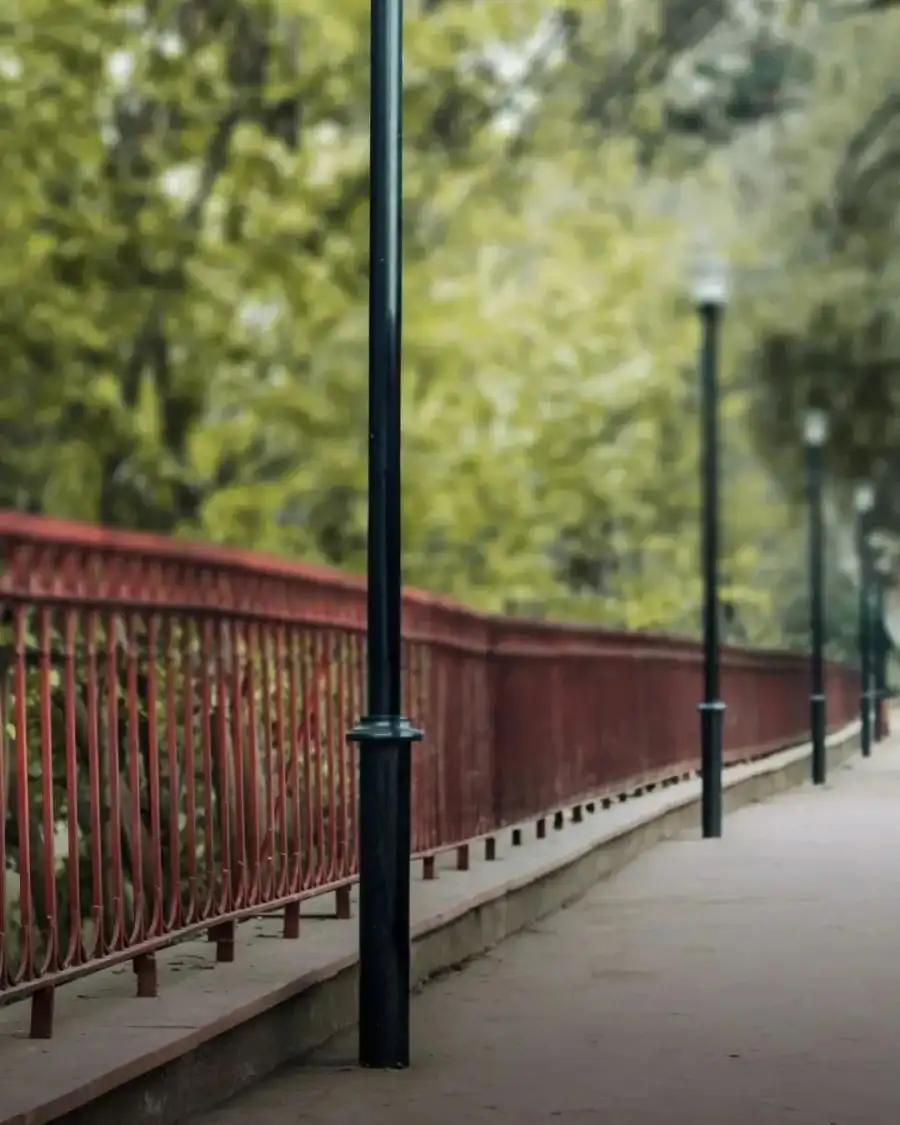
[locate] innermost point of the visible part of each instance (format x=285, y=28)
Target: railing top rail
x=156, y=571
x=70, y=535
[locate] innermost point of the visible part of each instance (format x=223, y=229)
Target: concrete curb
x=206, y=1065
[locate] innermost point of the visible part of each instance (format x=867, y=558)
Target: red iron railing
x=172, y=737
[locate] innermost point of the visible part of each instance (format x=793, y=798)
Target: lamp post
x=815, y=434
x=864, y=500
x=710, y=296
x=384, y=736
x=879, y=646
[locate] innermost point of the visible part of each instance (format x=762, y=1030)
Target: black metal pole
x=383, y=734
x=712, y=708
x=880, y=657
x=818, y=702
x=865, y=635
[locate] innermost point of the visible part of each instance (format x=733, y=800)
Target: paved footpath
x=749, y=981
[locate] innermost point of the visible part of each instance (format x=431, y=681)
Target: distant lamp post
x=709, y=290
x=864, y=502
x=815, y=434
x=880, y=646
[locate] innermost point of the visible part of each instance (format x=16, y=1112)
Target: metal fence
x=173, y=743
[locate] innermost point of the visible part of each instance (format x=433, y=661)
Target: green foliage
x=825, y=329
x=183, y=287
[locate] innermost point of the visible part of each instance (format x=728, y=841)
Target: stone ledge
x=210, y=1034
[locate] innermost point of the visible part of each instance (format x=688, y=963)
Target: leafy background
x=183, y=283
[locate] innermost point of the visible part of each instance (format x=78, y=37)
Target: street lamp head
x=709, y=284
x=815, y=428
x=864, y=498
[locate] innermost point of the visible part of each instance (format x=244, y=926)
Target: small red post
x=223, y=935
x=42, y=1008
x=144, y=966
x=292, y=920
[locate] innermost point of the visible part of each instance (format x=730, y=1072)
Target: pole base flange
x=715, y=706
x=384, y=730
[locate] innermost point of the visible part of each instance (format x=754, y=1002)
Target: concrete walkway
x=749, y=981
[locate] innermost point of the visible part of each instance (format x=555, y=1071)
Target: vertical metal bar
x=384, y=734
x=818, y=702
x=880, y=657
x=712, y=708
x=865, y=635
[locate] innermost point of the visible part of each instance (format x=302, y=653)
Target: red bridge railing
x=172, y=737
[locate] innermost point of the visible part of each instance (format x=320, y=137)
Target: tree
x=826, y=329
x=183, y=286
x=182, y=267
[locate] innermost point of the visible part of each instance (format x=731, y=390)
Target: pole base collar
x=714, y=706
x=384, y=730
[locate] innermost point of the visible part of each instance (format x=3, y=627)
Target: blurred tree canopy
x=825, y=331
x=183, y=272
